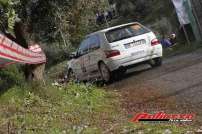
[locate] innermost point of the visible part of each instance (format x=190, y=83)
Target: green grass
x=72, y=109
x=47, y=109
x=56, y=71
x=69, y=109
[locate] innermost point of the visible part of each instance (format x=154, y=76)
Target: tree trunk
x=35, y=72
x=22, y=33
x=38, y=72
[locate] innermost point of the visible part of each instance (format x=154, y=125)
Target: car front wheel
x=105, y=72
x=71, y=75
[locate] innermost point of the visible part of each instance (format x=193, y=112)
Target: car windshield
x=125, y=32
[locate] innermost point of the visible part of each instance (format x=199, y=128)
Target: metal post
x=186, y=34
x=196, y=17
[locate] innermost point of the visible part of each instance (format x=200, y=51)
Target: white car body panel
x=134, y=54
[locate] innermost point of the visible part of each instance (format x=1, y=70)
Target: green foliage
x=71, y=109
x=59, y=21
x=9, y=14
x=74, y=108
x=133, y=8
x=64, y=22
x=10, y=76
x=4, y=2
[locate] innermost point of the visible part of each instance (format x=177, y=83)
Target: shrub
x=11, y=76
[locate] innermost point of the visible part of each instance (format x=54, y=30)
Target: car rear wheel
x=156, y=62
x=71, y=75
x=105, y=72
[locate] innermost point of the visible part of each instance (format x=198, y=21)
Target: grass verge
x=69, y=109
x=47, y=109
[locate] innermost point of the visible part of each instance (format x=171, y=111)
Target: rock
x=167, y=131
x=189, y=132
x=149, y=129
x=55, y=84
x=140, y=132
x=199, y=131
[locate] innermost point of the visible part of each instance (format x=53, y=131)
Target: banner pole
x=182, y=17
x=186, y=34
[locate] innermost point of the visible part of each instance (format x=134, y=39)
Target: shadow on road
x=131, y=73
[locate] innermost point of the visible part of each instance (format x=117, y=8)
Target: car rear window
x=125, y=32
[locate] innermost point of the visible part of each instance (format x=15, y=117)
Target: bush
x=74, y=108
x=11, y=76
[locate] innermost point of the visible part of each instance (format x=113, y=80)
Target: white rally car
x=114, y=50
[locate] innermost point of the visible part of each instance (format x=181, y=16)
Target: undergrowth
x=47, y=109
x=34, y=108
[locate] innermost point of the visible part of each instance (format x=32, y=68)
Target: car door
x=94, y=55
x=83, y=59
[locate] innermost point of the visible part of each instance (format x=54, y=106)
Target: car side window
x=94, y=42
x=84, y=47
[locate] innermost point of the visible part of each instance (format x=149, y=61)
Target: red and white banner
x=181, y=12
x=10, y=53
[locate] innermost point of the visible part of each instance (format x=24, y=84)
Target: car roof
x=111, y=28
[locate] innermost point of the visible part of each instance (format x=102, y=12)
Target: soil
x=175, y=87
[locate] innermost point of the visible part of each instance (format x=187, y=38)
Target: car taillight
x=112, y=53
x=155, y=42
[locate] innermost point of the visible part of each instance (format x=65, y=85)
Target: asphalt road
x=175, y=87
